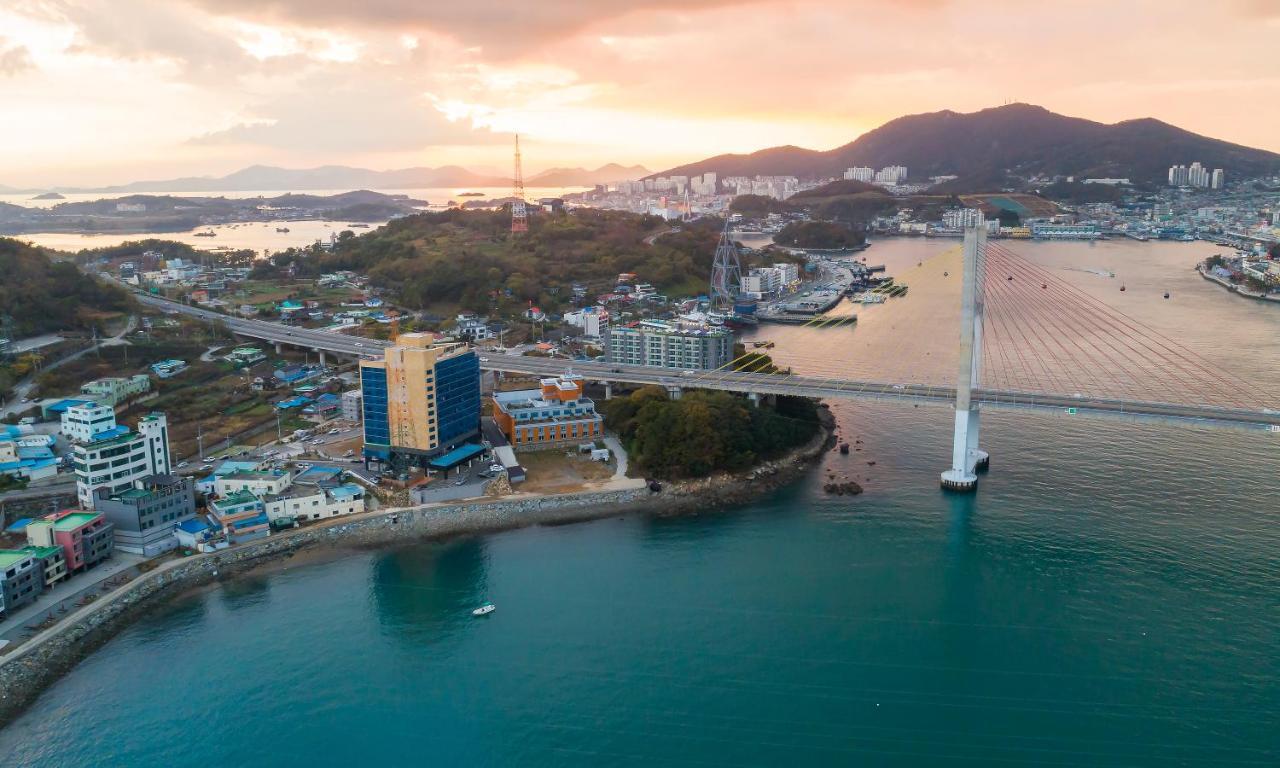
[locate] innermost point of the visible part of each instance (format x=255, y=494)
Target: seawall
x=39, y=662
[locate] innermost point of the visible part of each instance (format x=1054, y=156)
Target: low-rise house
x=167, y=369
x=28, y=462
x=86, y=422
x=144, y=515
x=316, y=503
x=52, y=562
x=114, y=390
x=259, y=483
x=195, y=533
x=242, y=357
x=241, y=516
x=86, y=538
x=352, y=406
x=20, y=580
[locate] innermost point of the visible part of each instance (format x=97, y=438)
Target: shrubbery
x=706, y=431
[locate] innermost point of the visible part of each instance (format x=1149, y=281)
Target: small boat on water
x=1166, y=294
x=282, y=229
x=1122, y=289
x=484, y=610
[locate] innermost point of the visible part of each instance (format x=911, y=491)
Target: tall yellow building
x=421, y=400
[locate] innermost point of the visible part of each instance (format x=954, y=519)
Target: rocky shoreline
x=36, y=664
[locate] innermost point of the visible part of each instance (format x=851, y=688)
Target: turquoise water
x=1110, y=597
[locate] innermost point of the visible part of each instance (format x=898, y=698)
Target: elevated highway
x=751, y=383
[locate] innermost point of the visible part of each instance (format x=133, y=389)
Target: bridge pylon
x=966, y=457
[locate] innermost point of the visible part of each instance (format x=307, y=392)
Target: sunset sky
x=109, y=91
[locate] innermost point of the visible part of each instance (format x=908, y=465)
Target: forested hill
x=42, y=295
x=460, y=258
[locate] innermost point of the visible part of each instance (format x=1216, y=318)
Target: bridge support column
x=322, y=357
x=674, y=392
x=608, y=390
x=279, y=348
x=754, y=397
x=966, y=457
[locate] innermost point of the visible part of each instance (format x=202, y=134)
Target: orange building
x=555, y=414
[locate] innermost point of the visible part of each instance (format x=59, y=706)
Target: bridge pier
x=322, y=357
x=754, y=397
x=674, y=392
x=966, y=457
x=608, y=390
x=279, y=348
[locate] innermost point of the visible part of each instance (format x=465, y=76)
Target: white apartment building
x=860, y=174
x=83, y=422
x=893, y=174
x=789, y=273
x=762, y=281
x=959, y=218
x=594, y=321
x=122, y=457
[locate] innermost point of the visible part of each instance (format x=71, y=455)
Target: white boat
x=484, y=610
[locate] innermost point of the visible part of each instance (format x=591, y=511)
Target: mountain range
x=988, y=147
x=265, y=177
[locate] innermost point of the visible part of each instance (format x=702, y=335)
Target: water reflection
x=425, y=593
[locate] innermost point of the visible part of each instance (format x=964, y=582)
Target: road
x=758, y=383
x=23, y=388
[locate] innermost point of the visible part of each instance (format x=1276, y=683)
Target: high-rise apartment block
x=668, y=345
x=1196, y=175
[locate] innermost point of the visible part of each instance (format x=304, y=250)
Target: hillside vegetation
x=41, y=295
x=470, y=260
x=706, y=431
x=819, y=234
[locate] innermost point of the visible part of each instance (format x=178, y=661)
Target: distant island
x=470, y=194
x=136, y=214
x=266, y=177
x=49, y=196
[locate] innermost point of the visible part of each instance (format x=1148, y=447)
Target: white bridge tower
x=966, y=458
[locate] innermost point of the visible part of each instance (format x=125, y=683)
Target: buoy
x=944, y=274
x=1122, y=289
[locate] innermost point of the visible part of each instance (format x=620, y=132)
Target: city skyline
x=157, y=90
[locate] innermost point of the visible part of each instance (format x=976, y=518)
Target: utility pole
x=200, y=439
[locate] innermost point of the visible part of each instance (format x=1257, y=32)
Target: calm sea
x=261, y=237
x=1109, y=597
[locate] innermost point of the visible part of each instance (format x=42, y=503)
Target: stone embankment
x=37, y=663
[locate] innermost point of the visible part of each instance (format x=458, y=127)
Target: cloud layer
x=145, y=87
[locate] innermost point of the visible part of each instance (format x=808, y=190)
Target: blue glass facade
x=373, y=388
x=457, y=398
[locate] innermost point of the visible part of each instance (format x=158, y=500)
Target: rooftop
x=10, y=557
x=238, y=497
x=74, y=520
